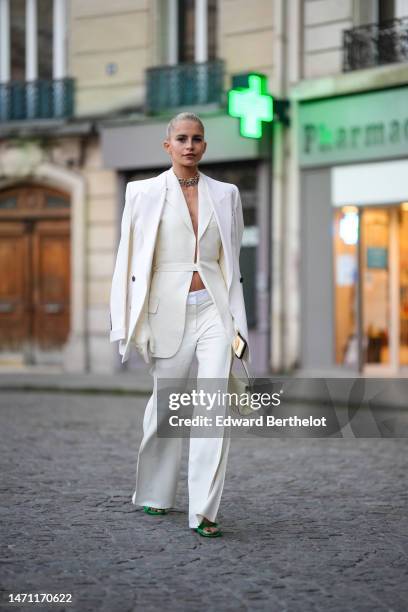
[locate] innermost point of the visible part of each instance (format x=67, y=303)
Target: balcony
x=42, y=99
x=375, y=45
x=184, y=85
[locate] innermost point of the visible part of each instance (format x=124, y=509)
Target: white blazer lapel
x=223, y=213
x=205, y=206
x=150, y=217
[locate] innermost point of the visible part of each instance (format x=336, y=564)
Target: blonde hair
x=183, y=117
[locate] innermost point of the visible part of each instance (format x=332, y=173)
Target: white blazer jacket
x=133, y=268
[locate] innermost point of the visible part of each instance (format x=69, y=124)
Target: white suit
x=131, y=283
x=181, y=324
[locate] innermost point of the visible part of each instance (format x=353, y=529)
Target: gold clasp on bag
x=239, y=345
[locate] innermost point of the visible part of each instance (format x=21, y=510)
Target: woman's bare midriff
x=191, y=197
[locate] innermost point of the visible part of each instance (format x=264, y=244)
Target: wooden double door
x=34, y=272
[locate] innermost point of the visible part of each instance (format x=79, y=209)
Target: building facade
x=76, y=129
x=86, y=92
x=351, y=134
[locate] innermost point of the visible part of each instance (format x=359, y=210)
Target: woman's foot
x=154, y=511
x=208, y=529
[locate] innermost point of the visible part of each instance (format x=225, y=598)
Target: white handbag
x=240, y=399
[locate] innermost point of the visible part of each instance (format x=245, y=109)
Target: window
x=386, y=10
x=18, y=34
x=45, y=38
x=212, y=29
x=17, y=39
x=187, y=33
x=8, y=202
x=374, y=11
x=186, y=30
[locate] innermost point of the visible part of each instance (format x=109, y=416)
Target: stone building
x=86, y=91
x=349, y=141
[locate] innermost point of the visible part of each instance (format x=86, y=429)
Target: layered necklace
x=190, y=181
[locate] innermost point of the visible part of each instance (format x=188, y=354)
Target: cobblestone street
x=308, y=525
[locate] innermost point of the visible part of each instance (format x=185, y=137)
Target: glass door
x=371, y=288
x=403, y=284
x=376, y=265
x=346, y=298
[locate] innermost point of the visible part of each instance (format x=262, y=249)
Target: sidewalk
x=49, y=378
x=139, y=383
x=316, y=387
x=17, y=377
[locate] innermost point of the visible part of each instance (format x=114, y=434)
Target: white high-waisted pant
x=159, y=458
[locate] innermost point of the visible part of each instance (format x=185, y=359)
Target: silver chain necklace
x=190, y=181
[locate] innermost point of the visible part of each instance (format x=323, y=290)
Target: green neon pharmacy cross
x=251, y=105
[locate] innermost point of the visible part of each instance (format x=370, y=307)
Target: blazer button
x=241, y=280
x=133, y=278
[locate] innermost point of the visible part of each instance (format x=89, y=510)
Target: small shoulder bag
x=240, y=399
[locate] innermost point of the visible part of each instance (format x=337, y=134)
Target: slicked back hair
x=183, y=117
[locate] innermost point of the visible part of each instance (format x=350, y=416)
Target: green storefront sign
x=360, y=127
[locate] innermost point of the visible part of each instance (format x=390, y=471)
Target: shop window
x=375, y=280
x=371, y=285
x=346, y=232
x=403, y=282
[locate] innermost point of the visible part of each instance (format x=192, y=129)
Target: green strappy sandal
x=206, y=534
x=158, y=512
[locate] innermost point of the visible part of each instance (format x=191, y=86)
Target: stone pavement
x=309, y=524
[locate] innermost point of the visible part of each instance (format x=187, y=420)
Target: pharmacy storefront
x=353, y=153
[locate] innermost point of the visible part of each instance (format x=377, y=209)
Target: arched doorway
x=35, y=273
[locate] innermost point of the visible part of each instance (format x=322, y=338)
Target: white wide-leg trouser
x=158, y=462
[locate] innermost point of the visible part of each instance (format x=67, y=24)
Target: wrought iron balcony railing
x=375, y=44
x=184, y=85
x=41, y=99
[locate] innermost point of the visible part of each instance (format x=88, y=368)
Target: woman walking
x=177, y=294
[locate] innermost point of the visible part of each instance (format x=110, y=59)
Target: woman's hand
x=145, y=342
x=143, y=350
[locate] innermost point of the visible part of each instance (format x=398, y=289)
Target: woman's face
x=186, y=144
